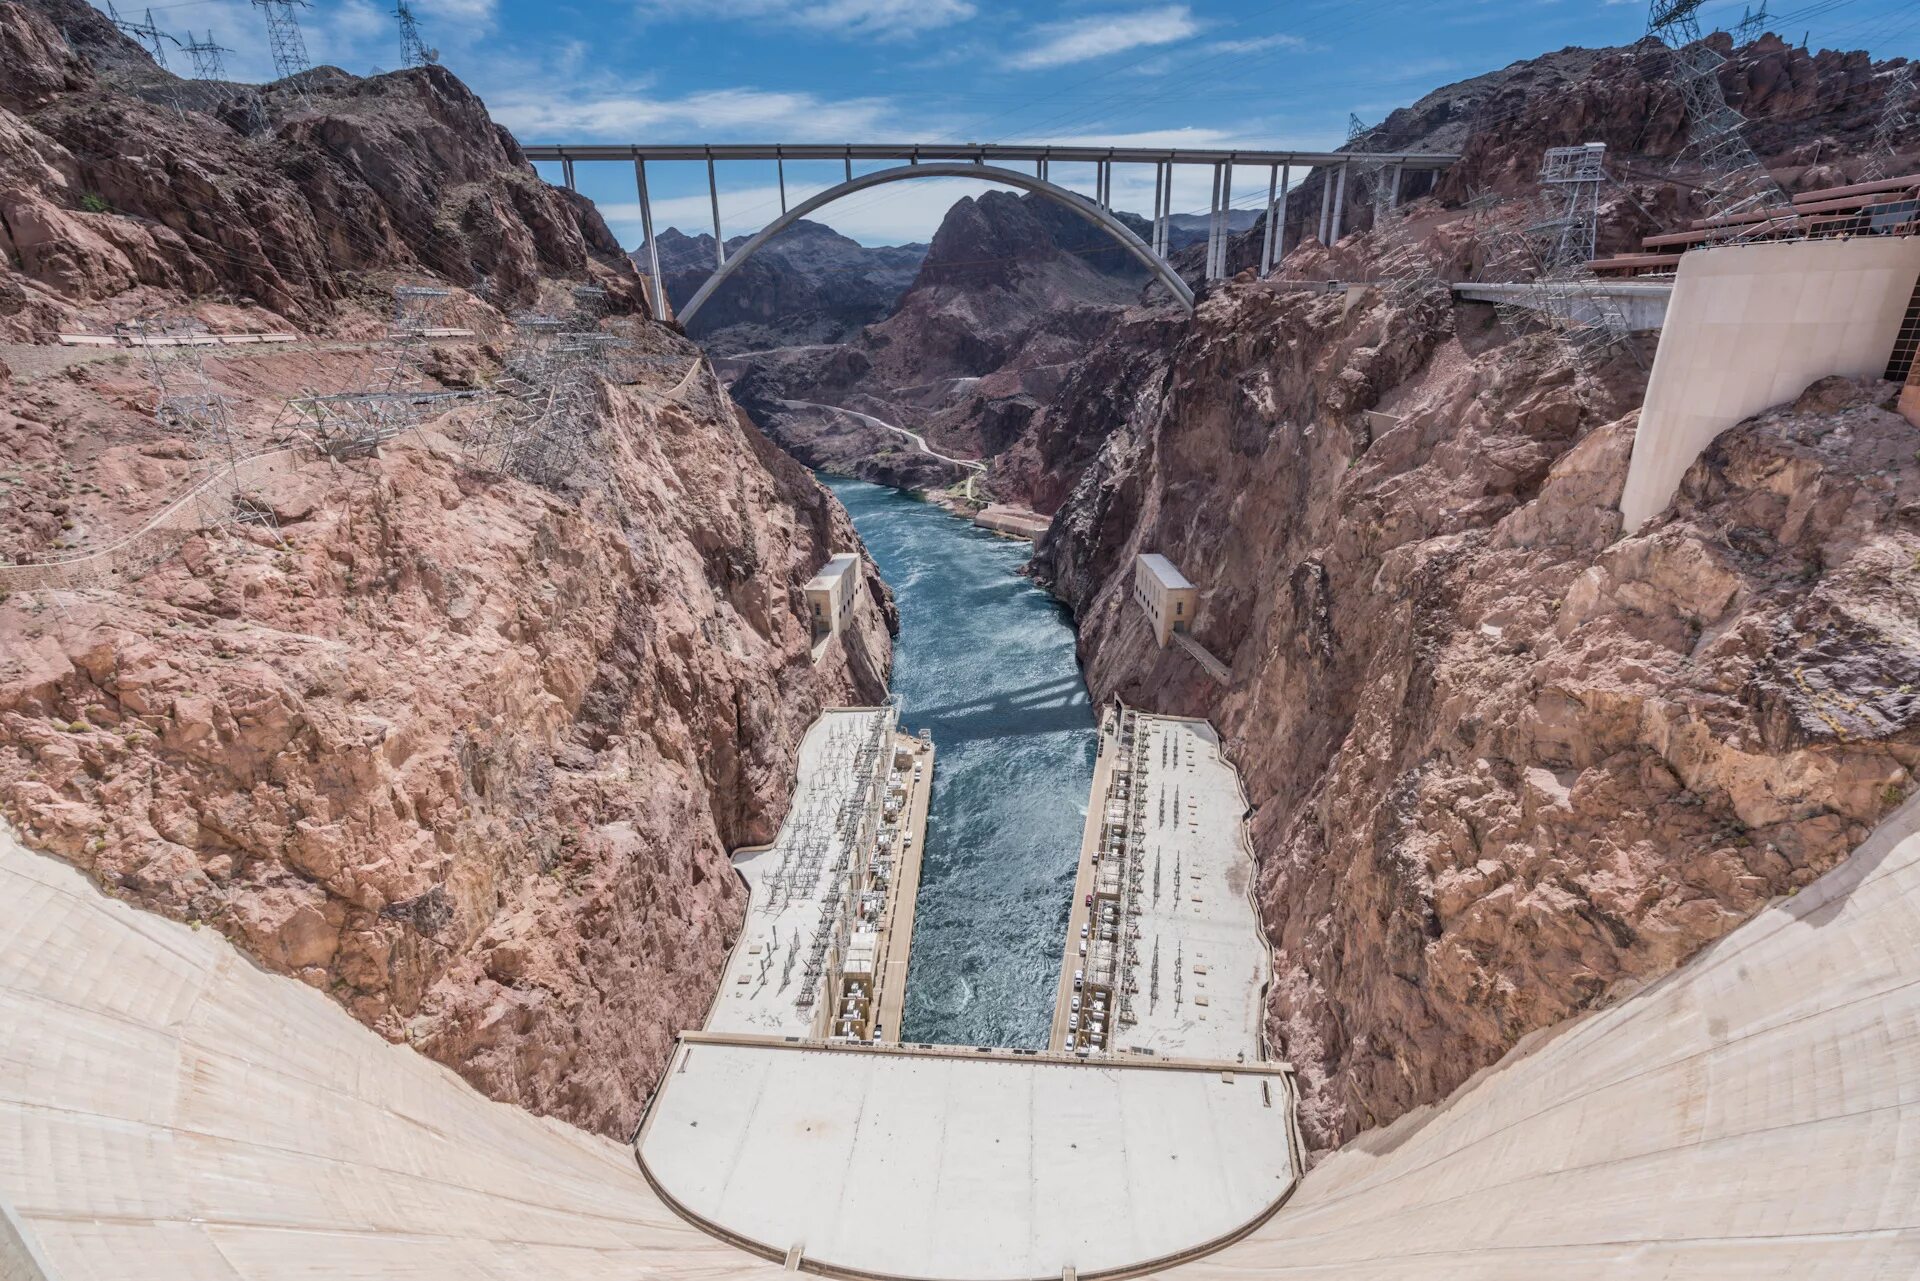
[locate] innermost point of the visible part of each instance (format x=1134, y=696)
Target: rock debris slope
x=462, y=752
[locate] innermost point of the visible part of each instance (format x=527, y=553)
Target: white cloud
x=1057, y=44
x=856, y=19
x=477, y=13
x=536, y=116
x=1257, y=44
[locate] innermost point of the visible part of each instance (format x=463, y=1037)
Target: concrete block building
x=1164, y=592
x=830, y=594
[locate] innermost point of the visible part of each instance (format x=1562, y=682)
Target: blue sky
x=1203, y=73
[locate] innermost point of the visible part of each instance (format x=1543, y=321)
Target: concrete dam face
x=168, y=1110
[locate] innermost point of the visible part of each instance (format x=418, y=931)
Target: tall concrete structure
x=830, y=594
x=170, y=1111
x=1164, y=593
x=1749, y=327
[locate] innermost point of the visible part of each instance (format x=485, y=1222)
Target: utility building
x=1164, y=592
x=830, y=594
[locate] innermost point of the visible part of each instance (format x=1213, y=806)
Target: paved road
x=919, y=441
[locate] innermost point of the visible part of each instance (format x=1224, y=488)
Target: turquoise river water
x=985, y=660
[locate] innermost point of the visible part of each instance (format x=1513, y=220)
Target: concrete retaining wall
x=1749, y=327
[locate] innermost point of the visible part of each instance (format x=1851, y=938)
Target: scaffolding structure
x=1895, y=119
x=1733, y=180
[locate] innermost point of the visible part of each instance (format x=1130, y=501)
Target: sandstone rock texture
x=290, y=205
x=466, y=753
x=1504, y=767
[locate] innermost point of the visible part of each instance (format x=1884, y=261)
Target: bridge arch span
x=1073, y=200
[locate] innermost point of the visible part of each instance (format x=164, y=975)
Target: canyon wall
x=305, y=206
x=1504, y=768
x=463, y=752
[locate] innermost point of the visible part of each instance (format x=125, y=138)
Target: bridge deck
x=982, y=153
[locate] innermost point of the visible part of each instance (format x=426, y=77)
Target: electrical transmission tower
x=413, y=50
x=145, y=32
x=1895, y=119
x=1735, y=183
x=1753, y=24
x=284, y=39
x=187, y=403
x=1547, y=246
x=393, y=398
x=208, y=63
x=544, y=414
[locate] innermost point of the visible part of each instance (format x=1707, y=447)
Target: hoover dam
x=959, y=642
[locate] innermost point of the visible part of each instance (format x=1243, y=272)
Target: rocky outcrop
x=465, y=753
x=1504, y=767
x=807, y=285
x=297, y=206
x=1012, y=291
x=1810, y=115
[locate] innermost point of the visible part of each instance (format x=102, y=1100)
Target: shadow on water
x=985, y=661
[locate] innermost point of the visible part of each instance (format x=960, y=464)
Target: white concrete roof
x=952, y=1166
x=779, y=924
x=1214, y=963
x=168, y=1112
x=1164, y=570
x=834, y=568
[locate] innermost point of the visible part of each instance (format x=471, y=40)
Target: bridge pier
x=653, y=247
x=1274, y=244
x=1339, y=205
x=719, y=241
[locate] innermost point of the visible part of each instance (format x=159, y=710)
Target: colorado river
x=985, y=660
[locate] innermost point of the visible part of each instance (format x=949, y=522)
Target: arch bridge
x=992, y=163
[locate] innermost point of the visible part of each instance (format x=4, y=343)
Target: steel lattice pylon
x=392, y=399
x=208, y=62
x=545, y=404
x=288, y=45
x=413, y=50
x=1547, y=243
x=1570, y=179
x=1895, y=119
x=1734, y=181
x=144, y=31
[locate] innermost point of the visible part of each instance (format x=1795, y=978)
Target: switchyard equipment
x=187, y=402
